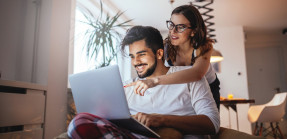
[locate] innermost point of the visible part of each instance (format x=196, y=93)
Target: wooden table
x=231, y=103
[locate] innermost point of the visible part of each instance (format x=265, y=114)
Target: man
x=188, y=108
x=183, y=109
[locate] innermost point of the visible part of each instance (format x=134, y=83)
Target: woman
x=186, y=45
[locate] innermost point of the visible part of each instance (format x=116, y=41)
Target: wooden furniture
x=22, y=109
x=231, y=103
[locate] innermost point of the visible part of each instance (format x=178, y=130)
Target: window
x=81, y=62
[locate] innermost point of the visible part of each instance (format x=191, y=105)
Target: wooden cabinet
x=22, y=109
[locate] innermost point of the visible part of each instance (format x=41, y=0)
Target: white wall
x=25, y=70
x=18, y=19
x=265, y=69
x=231, y=45
x=285, y=63
x=52, y=64
x=267, y=56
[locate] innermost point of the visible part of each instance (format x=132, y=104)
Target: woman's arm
x=195, y=73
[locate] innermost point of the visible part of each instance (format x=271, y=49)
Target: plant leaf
x=102, y=38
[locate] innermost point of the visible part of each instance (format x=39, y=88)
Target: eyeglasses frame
x=175, y=26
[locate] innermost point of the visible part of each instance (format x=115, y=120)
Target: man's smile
x=140, y=68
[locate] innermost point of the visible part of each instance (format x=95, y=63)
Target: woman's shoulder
x=177, y=68
x=207, y=47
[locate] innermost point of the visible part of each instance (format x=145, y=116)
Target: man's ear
x=159, y=53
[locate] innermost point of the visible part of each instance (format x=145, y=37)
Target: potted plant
x=102, y=39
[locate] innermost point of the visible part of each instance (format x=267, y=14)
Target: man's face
x=142, y=58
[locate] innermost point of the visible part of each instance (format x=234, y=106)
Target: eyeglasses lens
x=179, y=28
x=170, y=25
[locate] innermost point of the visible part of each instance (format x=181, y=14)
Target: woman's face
x=183, y=37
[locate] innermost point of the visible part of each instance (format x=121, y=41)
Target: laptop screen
x=100, y=92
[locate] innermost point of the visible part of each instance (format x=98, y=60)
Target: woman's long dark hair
x=199, y=40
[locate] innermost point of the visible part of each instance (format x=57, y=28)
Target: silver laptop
x=100, y=92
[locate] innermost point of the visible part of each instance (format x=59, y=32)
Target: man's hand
x=164, y=132
x=150, y=120
x=142, y=85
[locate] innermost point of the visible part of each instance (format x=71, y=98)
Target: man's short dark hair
x=151, y=35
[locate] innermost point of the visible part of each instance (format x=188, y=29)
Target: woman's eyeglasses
x=178, y=28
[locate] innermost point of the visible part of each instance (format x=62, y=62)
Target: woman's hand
x=150, y=120
x=141, y=86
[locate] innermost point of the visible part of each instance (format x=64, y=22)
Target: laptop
x=100, y=92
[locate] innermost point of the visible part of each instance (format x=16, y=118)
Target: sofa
x=224, y=133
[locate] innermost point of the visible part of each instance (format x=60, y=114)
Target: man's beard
x=149, y=71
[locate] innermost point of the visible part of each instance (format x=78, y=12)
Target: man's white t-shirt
x=193, y=98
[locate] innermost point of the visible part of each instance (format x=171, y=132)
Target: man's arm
x=168, y=133
x=206, y=120
x=203, y=102
x=195, y=124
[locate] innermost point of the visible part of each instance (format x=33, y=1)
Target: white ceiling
x=256, y=16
